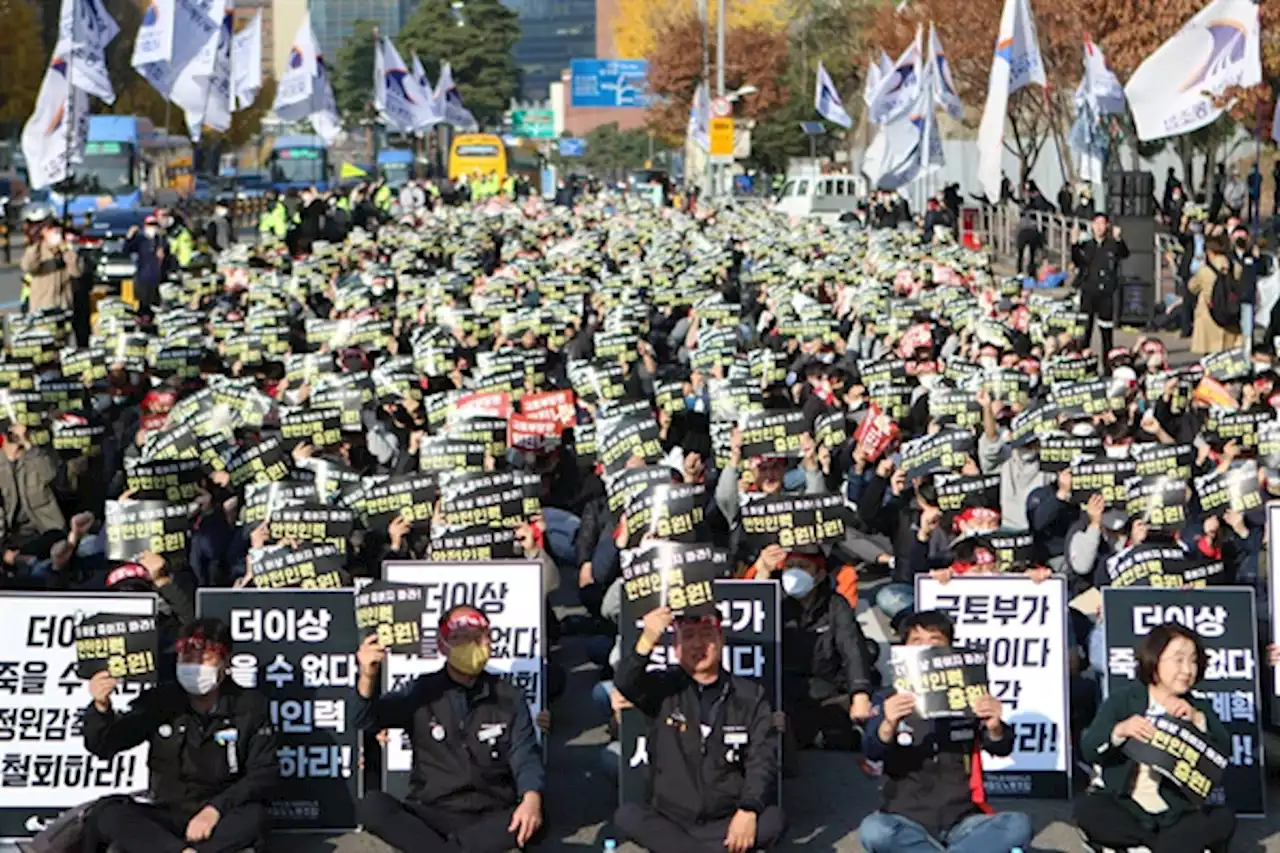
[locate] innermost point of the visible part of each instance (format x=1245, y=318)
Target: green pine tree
x=353, y=73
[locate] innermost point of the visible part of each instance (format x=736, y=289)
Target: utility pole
x=718, y=171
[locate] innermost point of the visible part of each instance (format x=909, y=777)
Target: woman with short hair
x=1135, y=806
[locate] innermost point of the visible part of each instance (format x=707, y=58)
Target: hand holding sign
x=101, y=686
x=1136, y=727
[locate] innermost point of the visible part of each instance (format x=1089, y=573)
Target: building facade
x=334, y=20
x=552, y=32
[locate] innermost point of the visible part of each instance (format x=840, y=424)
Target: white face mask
x=199, y=679
x=797, y=583
x=1117, y=451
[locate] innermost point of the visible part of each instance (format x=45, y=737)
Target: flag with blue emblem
x=826, y=100
x=1017, y=63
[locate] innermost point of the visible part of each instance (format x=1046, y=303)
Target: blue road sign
x=572, y=146
x=609, y=82
x=813, y=128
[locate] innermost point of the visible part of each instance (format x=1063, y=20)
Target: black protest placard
x=1011, y=551
x=440, y=453
x=314, y=523
x=1179, y=752
x=1162, y=567
x=959, y=492
x=175, y=441
x=794, y=521
x=946, y=451
x=124, y=646
x=177, y=481
x=893, y=400
x=478, y=542
x=174, y=361
x=504, y=499
x=489, y=432
x=134, y=527
x=304, y=567
x=672, y=574
x=1161, y=501
x=750, y=618
x=946, y=682
x=831, y=431
x=347, y=402
x=264, y=461
x=1227, y=365
x=1064, y=370
x=1059, y=451
x=618, y=440
x=1241, y=427
x=624, y=486
x=321, y=427
x=78, y=438
x=298, y=648
x=393, y=612
x=1029, y=425
x=260, y=499
x=1225, y=619
x=1171, y=460
x=1106, y=477
x=408, y=496
x=1007, y=385
x=666, y=511
x=874, y=374
x=1089, y=398
x=955, y=408
x=1235, y=489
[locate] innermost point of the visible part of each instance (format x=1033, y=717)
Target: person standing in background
x=53, y=265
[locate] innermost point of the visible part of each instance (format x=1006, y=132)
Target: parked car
x=102, y=243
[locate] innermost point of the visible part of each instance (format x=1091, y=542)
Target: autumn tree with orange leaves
x=755, y=54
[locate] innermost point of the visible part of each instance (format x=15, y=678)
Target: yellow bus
x=472, y=153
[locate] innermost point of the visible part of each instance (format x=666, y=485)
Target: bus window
x=802, y=189
x=108, y=167
x=477, y=153
x=788, y=189
x=298, y=165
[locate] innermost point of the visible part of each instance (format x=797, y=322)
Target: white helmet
x=37, y=212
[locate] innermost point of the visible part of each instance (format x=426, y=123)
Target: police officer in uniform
x=477, y=778
x=212, y=754
x=712, y=745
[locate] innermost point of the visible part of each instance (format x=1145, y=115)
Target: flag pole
x=71, y=114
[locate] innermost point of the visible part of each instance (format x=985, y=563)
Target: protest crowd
x=300, y=516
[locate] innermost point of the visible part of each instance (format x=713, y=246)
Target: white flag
x=189, y=29
x=432, y=112
x=246, y=63
x=49, y=142
x=304, y=91
x=1017, y=63
x=876, y=73
x=1099, y=85
x=908, y=147
x=449, y=102
x=1172, y=91
x=699, y=129
x=216, y=109
x=897, y=91
x=293, y=92
x=396, y=91
x=826, y=100
x=84, y=30
x=940, y=72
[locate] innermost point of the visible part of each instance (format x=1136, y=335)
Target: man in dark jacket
x=1097, y=261
x=219, y=231
x=826, y=683
x=712, y=744
x=1030, y=239
x=151, y=258
x=477, y=777
x=212, y=754
x=928, y=803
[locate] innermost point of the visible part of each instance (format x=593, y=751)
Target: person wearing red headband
x=477, y=778
x=212, y=754
x=712, y=742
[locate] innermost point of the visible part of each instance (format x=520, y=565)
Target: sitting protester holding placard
x=212, y=754
x=477, y=777
x=712, y=746
x=933, y=789
x=1156, y=771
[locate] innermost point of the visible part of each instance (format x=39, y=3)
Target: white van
x=827, y=197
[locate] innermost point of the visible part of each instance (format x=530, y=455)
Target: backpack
x=1224, y=301
x=73, y=830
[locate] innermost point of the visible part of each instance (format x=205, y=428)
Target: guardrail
x=997, y=229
